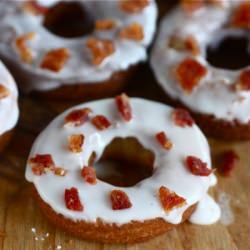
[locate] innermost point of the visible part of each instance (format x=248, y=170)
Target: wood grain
x=19, y=213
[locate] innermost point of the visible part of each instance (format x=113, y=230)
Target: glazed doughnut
x=218, y=98
x=71, y=195
x=9, y=111
x=49, y=59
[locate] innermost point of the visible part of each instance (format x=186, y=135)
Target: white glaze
x=79, y=67
x=149, y=118
x=207, y=212
x=8, y=106
x=214, y=94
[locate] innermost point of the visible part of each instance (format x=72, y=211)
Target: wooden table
x=23, y=227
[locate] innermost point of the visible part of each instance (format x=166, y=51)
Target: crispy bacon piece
x=76, y=142
x=60, y=171
x=163, y=140
x=55, y=59
x=72, y=200
x=244, y=80
x=21, y=44
x=192, y=45
x=132, y=32
x=124, y=107
x=41, y=163
x=101, y=122
x=229, y=160
x=182, y=118
x=35, y=8
x=197, y=167
x=100, y=49
x=192, y=5
x=170, y=200
x=4, y=92
x=189, y=73
x=188, y=44
x=105, y=24
x=241, y=17
x=77, y=117
x=133, y=6
x=89, y=175
x=119, y=200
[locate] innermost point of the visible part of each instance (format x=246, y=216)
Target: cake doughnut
x=75, y=49
x=9, y=111
x=71, y=195
x=218, y=98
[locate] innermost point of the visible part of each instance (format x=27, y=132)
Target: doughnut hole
x=124, y=162
x=69, y=20
x=232, y=52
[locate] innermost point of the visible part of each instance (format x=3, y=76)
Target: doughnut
x=216, y=94
x=74, y=195
x=75, y=49
x=9, y=111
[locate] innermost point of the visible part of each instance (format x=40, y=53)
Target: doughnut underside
x=89, y=91
x=105, y=233
x=214, y=127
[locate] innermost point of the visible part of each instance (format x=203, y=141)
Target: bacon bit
x=189, y=44
x=123, y=105
x=197, y=167
x=241, y=18
x=101, y=122
x=119, y=200
x=24, y=51
x=77, y=117
x=38, y=170
x=72, y=200
x=41, y=163
x=176, y=43
x=170, y=200
x=35, y=8
x=100, y=49
x=133, y=6
x=4, y=92
x=60, y=171
x=55, y=59
x=192, y=45
x=75, y=143
x=182, y=118
x=105, y=24
x=189, y=73
x=191, y=5
x=89, y=175
x=229, y=160
x=164, y=141
x=244, y=80
x=132, y=32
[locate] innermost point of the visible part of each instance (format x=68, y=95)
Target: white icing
x=207, y=212
x=214, y=94
x=149, y=118
x=9, y=111
x=79, y=68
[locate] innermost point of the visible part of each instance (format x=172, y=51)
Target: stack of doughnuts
x=85, y=50
x=96, y=63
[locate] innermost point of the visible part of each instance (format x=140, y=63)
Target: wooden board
x=19, y=215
